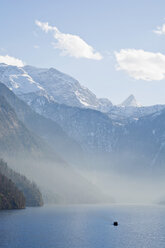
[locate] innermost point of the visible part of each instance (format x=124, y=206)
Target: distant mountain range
x=39, y=86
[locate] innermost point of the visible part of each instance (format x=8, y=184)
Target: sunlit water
x=83, y=227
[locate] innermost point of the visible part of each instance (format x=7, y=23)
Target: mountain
x=66, y=105
x=92, y=129
x=14, y=136
x=81, y=125
x=143, y=143
x=96, y=132
x=126, y=139
x=67, y=128
x=130, y=102
x=130, y=110
x=42, y=164
x=51, y=84
x=64, y=127
x=16, y=79
x=37, y=86
x=113, y=141
x=123, y=115
x=30, y=190
x=16, y=140
x=66, y=90
x=49, y=130
x=10, y=196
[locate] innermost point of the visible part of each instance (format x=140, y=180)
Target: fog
x=126, y=189
x=61, y=183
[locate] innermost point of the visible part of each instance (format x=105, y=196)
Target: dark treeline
x=29, y=189
x=10, y=196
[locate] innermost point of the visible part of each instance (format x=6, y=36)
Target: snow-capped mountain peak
x=17, y=80
x=33, y=83
x=130, y=102
x=65, y=89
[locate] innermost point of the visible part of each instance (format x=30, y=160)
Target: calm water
x=83, y=227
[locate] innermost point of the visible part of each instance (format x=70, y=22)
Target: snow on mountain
x=37, y=99
x=65, y=89
x=131, y=110
x=39, y=86
x=16, y=79
x=105, y=105
x=50, y=83
x=130, y=113
x=130, y=102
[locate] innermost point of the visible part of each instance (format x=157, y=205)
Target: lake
x=83, y=227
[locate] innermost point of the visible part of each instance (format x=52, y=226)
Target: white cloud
x=140, y=64
x=160, y=30
x=70, y=44
x=11, y=61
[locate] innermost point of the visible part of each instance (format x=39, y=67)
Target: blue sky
x=115, y=48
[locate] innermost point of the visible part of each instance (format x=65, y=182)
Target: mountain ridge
x=42, y=164
x=60, y=87
x=45, y=128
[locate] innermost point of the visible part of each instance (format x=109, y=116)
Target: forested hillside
x=31, y=192
x=10, y=196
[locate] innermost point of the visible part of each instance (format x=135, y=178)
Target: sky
x=115, y=48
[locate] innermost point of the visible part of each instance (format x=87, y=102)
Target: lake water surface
x=83, y=227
